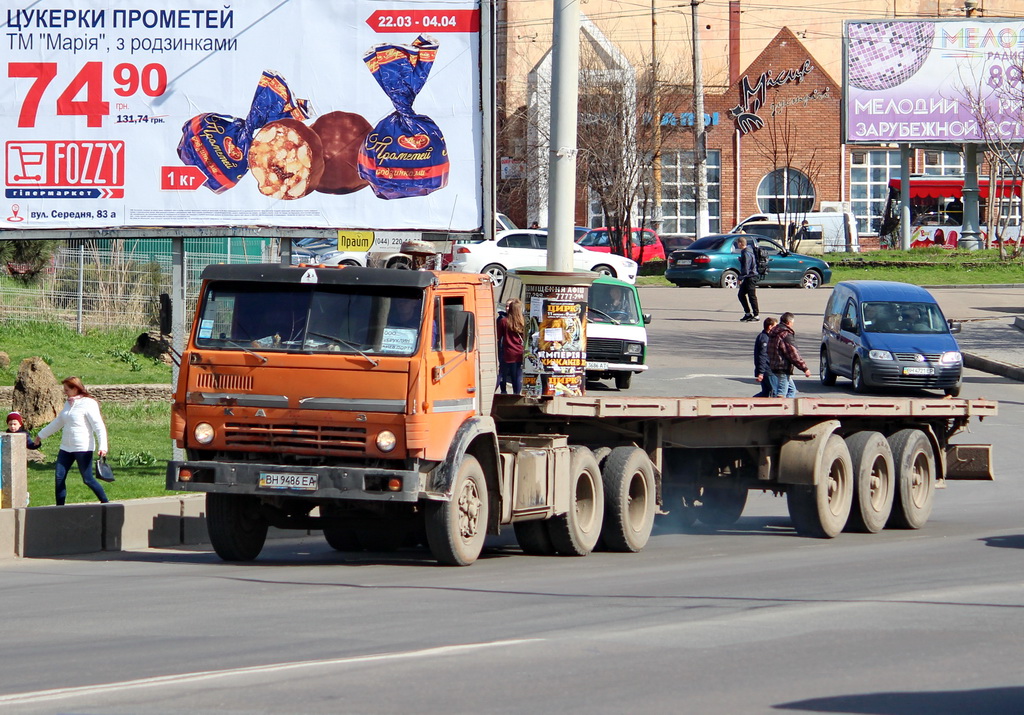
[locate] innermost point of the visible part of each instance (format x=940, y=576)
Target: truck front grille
x=604, y=349
x=320, y=440
x=218, y=381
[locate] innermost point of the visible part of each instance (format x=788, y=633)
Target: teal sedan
x=715, y=261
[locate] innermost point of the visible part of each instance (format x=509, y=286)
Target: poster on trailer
x=555, y=355
x=364, y=114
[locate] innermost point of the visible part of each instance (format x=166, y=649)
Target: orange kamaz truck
x=360, y=402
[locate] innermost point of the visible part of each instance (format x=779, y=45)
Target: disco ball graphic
x=884, y=55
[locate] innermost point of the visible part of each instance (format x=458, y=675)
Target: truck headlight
x=634, y=348
x=203, y=433
x=951, y=358
x=880, y=355
x=386, y=441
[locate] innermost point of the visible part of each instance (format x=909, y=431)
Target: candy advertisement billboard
x=298, y=113
x=946, y=81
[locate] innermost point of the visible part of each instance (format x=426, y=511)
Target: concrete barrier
x=8, y=534
x=142, y=524
x=60, y=530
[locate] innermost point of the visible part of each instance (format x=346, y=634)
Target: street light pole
x=656, y=139
x=700, y=152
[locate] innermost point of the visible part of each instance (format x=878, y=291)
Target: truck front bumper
x=306, y=482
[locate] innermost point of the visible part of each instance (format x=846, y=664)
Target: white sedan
x=526, y=248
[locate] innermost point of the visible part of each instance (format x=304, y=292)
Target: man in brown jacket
x=783, y=356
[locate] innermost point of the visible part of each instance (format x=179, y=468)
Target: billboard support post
x=905, y=151
x=970, y=239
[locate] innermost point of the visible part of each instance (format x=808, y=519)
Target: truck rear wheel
x=533, y=538
x=576, y=532
x=237, y=528
x=628, y=478
x=873, y=482
x=915, y=479
x=821, y=510
x=456, y=528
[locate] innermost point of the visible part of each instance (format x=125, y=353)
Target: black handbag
x=104, y=470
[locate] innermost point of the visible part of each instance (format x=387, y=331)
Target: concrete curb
x=162, y=522
x=994, y=367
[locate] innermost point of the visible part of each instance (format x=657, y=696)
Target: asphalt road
x=749, y=620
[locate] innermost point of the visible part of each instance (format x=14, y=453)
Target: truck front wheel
x=821, y=510
x=456, y=528
x=237, y=528
x=576, y=532
x=629, y=499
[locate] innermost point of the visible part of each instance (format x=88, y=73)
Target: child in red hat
x=15, y=425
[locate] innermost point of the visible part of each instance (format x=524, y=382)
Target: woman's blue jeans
x=84, y=459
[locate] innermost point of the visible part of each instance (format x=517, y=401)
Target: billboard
x=363, y=114
x=945, y=81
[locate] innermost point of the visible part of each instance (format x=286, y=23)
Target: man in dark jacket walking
x=762, y=368
x=748, y=280
x=783, y=356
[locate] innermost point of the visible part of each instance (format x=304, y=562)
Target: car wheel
x=496, y=273
x=605, y=271
x=350, y=262
x=858, y=377
x=954, y=391
x=730, y=279
x=810, y=280
x=825, y=373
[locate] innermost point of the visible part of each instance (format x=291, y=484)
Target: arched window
x=785, y=191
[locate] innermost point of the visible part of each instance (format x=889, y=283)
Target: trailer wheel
x=915, y=479
x=576, y=532
x=822, y=510
x=628, y=478
x=873, y=482
x=237, y=528
x=533, y=538
x=456, y=528
x=721, y=506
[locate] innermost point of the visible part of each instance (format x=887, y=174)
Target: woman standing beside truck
x=511, y=331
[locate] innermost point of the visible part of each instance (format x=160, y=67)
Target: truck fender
x=477, y=436
x=801, y=451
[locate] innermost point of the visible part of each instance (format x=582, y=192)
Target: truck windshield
x=310, y=319
x=894, y=317
x=612, y=304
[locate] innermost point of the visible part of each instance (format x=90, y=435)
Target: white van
x=827, y=231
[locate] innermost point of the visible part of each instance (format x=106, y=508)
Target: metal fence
x=117, y=283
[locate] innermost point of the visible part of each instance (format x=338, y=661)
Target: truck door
x=451, y=363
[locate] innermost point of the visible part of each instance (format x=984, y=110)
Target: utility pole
x=700, y=150
x=656, y=110
x=562, y=151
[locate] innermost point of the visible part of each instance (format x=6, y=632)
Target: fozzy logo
x=65, y=169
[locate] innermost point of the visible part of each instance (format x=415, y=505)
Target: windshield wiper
x=244, y=349
x=347, y=344
x=601, y=312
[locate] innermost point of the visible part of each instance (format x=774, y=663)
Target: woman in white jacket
x=83, y=432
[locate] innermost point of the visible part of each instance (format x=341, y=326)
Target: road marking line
x=188, y=678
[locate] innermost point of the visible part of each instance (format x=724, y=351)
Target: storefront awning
x=936, y=187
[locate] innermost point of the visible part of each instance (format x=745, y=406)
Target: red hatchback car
x=599, y=239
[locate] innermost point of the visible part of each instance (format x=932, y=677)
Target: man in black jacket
x=762, y=366
x=748, y=280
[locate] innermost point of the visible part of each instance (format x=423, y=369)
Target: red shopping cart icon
x=26, y=162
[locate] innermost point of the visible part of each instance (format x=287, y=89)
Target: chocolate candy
x=286, y=159
x=341, y=133
x=218, y=144
x=405, y=154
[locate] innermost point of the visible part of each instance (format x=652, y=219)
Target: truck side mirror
x=465, y=331
x=647, y=318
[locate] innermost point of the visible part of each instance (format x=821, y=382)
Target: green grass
x=100, y=357
x=139, y=450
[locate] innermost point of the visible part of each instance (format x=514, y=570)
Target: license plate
x=683, y=262
x=279, y=480
x=918, y=371
x=597, y=365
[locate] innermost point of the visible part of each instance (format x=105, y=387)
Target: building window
x=678, y=202
x=943, y=163
x=785, y=191
x=869, y=186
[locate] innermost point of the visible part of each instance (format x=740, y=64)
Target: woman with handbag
x=83, y=430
